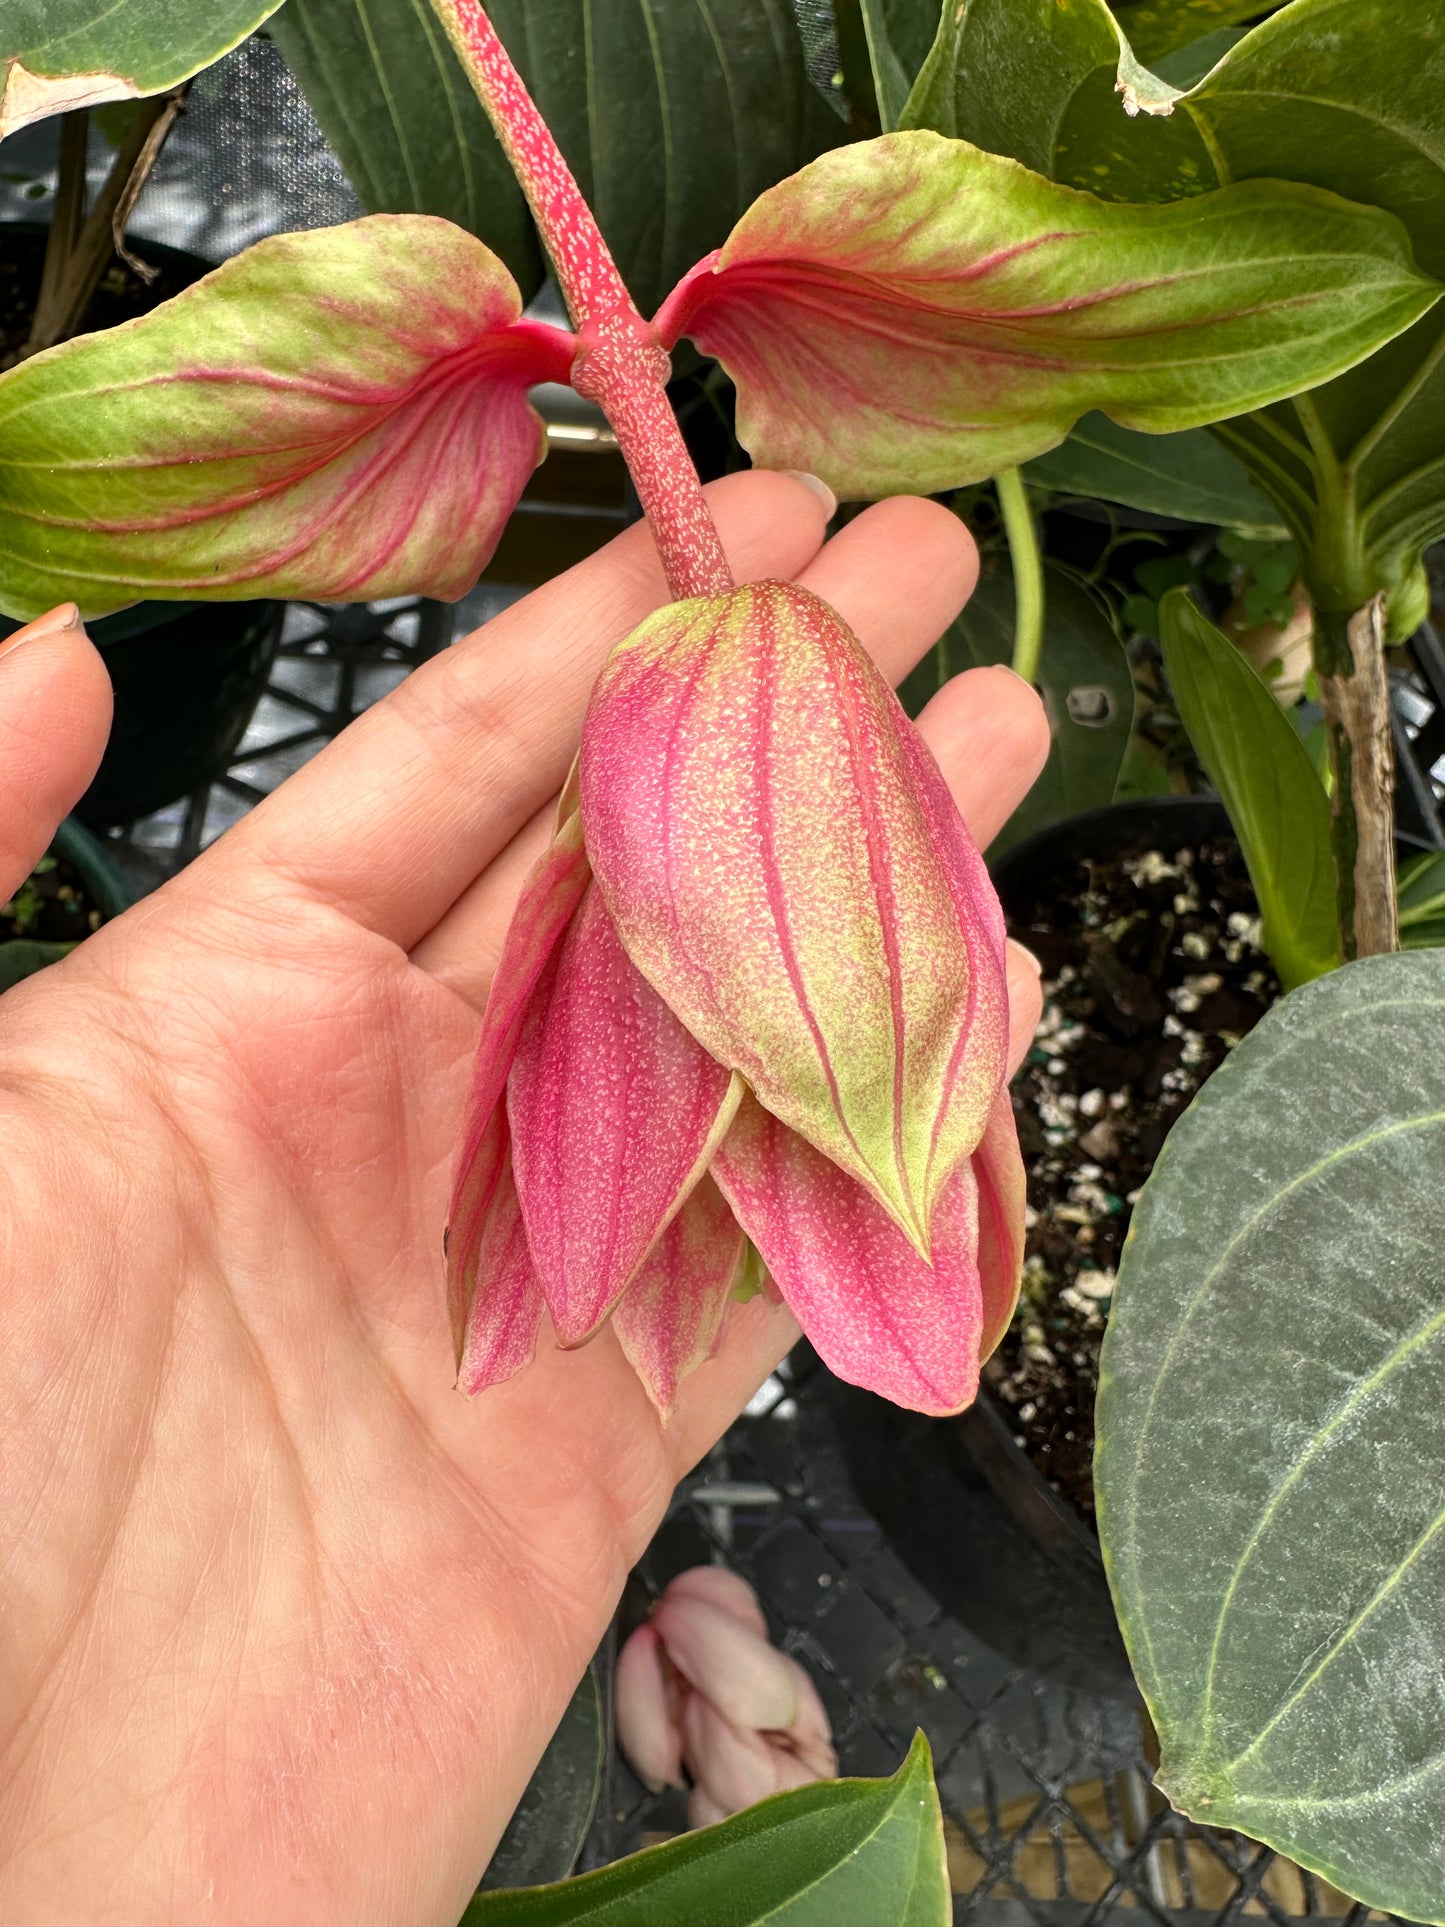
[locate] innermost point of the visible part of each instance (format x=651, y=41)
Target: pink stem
x=621, y=364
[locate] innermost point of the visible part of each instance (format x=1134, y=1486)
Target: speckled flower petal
x=784, y=864
x=670, y=1316
x=506, y=1309
x=549, y=897
x=878, y=1314
x=615, y=1112
x=998, y=1170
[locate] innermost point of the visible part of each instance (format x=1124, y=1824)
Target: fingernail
x=1022, y=950
x=816, y=487
x=55, y=623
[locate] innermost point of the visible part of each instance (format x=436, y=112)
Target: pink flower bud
x=729, y=1592
x=647, y=1732
x=742, y=1675
x=734, y=1767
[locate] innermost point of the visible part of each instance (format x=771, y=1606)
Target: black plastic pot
x=187, y=677
x=960, y=1501
x=544, y=1837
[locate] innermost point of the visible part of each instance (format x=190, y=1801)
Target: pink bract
x=768, y=999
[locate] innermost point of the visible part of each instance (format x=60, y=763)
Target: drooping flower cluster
x=756, y=986
x=700, y=1692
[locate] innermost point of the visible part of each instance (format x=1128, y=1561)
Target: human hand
x=288, y=1620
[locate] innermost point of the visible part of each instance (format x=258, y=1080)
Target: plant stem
x=1028, y=568
x=621, y=364
x=82, y=241
x=1349, y=657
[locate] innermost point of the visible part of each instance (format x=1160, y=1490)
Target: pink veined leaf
x=615, y=1113
x=878, y=1314
x=671, y=1316
x=506, y=1311
x=910, y=314
x=548, y=899
x=784, y=865
x=280, y=428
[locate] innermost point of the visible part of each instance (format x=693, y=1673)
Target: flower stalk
x=621, y=363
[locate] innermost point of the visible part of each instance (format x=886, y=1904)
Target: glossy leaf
x=785, y=865
x=1253, y=754
x=1047, y=82
x=672, y=117
x=1344, y=96
x=1158, y=28
x=60, y=54
x=899, y=34
x=910, y=313
x=1271, y=1460
x=278, y=429
x=847, y=1853
x=411, y=134
x=1188, y=475
x=1087, y=687
x=1421, y=894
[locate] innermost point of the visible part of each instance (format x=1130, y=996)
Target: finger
x=898, y=575
x=989, y=733
x=896, y=613
x=393, y=821
x=54, y=719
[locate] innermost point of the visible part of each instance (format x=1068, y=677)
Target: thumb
x=54, y=719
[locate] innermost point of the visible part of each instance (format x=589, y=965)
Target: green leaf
x=1047, y=82
x=1346, y=95
x=1421, y=895
x=59, y=54
x=1253, y=755
x=1189, y=474
x=1087, y=688
x=22, y=957
x=411, y=134
x=1156, y=28
x=674, y=118
x=899, y=34
x=1271, y=1462
x=277, y=429
x=912, y=314
x=846, y=1853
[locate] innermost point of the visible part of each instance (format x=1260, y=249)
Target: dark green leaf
x=899, y=33
x=1084, y=674
x=674, y=118
x=847, y=1853
x=1041, y=81
x=1253, y=755
x=1158, y=28
x=411, y=134
x=1271, y=1461
x=1422, y=901
x=22, y=958
x=1189, y=474
x=59, y=54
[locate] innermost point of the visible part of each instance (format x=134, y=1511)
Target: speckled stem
x=621, y=364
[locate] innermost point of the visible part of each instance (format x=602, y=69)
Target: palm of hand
x=290, y=1619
